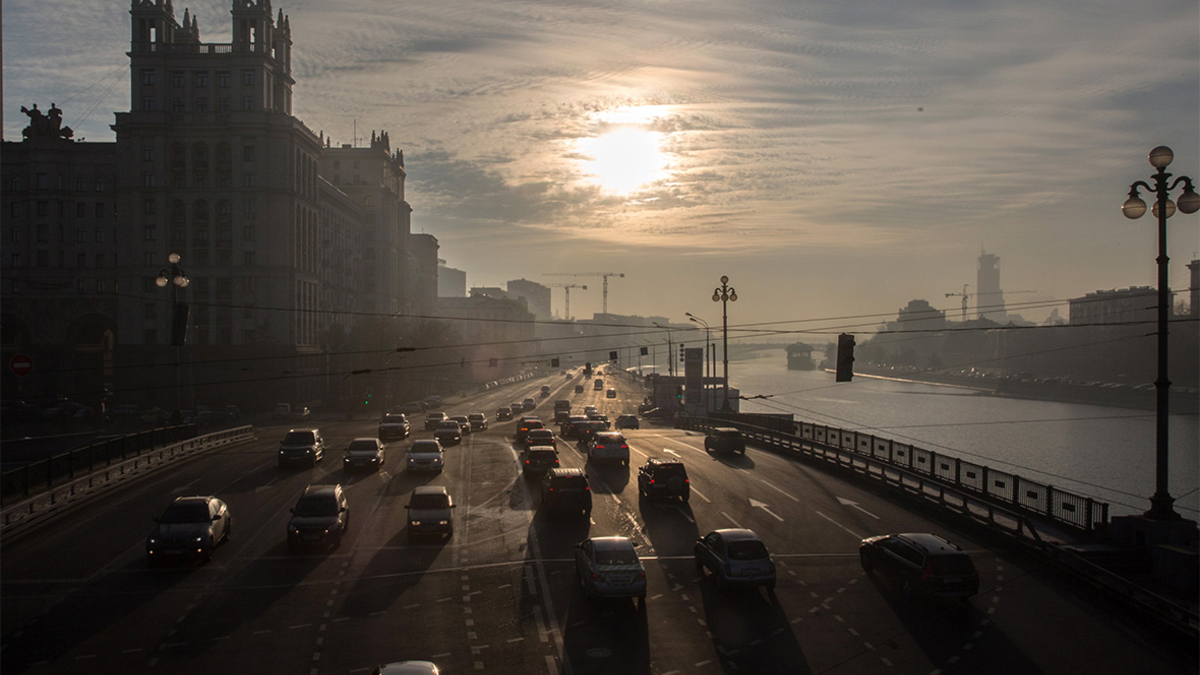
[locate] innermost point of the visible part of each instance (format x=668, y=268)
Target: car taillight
x=687, y=481
x=597, y=577
x=624, y=447
x=526, y=461
x=556, y=462
x=587, y=488
x=652, y=481
x=641, y=575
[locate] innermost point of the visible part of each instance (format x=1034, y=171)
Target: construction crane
x=606, y=275
x=567, y=288
x=967, y=296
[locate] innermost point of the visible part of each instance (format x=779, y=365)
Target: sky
x=833, y=159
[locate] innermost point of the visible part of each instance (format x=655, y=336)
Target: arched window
x=200, y=220
x=200, y=165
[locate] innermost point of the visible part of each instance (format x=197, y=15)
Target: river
x=1101, y=452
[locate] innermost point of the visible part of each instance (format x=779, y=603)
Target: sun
x=624, y=159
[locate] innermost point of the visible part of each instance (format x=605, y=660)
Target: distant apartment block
x=1114, y=307
x=452, y=283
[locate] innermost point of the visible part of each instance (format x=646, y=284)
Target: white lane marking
x=739, y=525
x=700, y=494
x=779, y=490
x=671, y=452
x=543, y=635
x=846, y=502
x=755, y=504
x=685, y=514
x=852, y=532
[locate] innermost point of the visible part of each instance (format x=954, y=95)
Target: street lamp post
x=724, y=294
x=707, y=346
x=670, y=350
x=175, y=276
x=1189, y=202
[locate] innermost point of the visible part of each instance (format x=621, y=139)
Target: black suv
x=566, y=490
x=320, y=518
x=725, y=439
x=925, y=566
x=660, y=477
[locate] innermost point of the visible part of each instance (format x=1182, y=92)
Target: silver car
x=191, y=527
x=426, y=455
x=608, y=567
x=430, y=512
x=736, y=557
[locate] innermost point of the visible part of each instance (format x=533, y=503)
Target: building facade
x=987, y=284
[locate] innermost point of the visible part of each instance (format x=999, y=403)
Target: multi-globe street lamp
x=707, y=346
x=1189, y=202
x=724, y=294
x=177, y=278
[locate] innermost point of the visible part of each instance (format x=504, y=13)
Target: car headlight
x=292, y=529
x=198, y=539
x=443, y=522
x=151, y=541
x=414, y=523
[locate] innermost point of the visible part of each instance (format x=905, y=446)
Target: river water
x=1095, y=451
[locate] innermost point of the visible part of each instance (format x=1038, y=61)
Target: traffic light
x=367, y=399
x=681, y=352
x=845, y=358
x=679, y=393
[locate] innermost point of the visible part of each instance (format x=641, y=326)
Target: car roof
x=476, y=415
x=724, y=429
x=313, y=490
x=612, y=543
x=609, y=434
x=198, y=499
x=312, y=429
x=566, y=471
x=425, y=441
x=430, y=490
x=542, y=448
x=932, y=543
x=408, y=668
x=664, y=461
x=736, y=533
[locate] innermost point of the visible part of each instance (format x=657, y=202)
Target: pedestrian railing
x=927, y=471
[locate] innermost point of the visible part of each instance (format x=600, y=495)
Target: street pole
x=1161, y=504
x=724, y=294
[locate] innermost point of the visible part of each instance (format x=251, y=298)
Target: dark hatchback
x=924, y=566
x=566, y=490
x=319, y=519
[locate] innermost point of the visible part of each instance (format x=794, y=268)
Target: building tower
x=987, y=284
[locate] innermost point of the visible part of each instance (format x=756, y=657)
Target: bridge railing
x=988, y=485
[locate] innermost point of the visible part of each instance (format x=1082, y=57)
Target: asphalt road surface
x=501, y=594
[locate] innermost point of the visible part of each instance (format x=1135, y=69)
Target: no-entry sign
x=20, y=365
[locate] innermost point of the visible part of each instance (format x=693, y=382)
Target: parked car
x=281, y=411
x=566, y=489
x=302, y=446
x=191, y=527
x=924, y=566
x=479, y=421
x=448, y=432
x=364, y=453
x=433, y=419
x=393, y=425
x=627, y=422
x=735, y=557
x=425, y=454
x=725, y=439
x=539, y=459
x=608, y=446
x=609, y=567
x=320, y=518
x=300, y=413
x=503, y=413
x=430, y=511
x=660, y=477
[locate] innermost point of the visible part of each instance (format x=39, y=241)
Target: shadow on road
x=750, y=631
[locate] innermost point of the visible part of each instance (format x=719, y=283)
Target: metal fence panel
x=945, y=468
x=1070, y=508
x=807, y=431
x=821, y=434
x=901, y=454
x=1000, y=485
x=970, y=475
x=881, y=448
x=865, y=443
x=922, y=461
x=1031, y=495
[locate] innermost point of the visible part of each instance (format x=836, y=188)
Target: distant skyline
x=832, y=160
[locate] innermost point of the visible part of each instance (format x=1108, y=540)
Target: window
x=177, y=105
x=15, y=184
x=14, y=259
x=201, y=80
x=201, y=255
x=248, y=284
x=148, y=207
x=224, y=233
x=99, y=185
x=148, y=258
x=80, y=210
x=248, y=232
x=149, y=337
x=177, y=80
x=99, y=209
x=248, y=77
x=224, y=257
x=248, y=180
x=42, y=235
x=223, y=104
x=99, y=261
x=148, y=233
x=43, y=209
x=148, y=179
x=148, y=154
x=248, y=259
x=148, y=78
x=16, y=209
x=79, y=184
x=43, y=258
x=100, y=286
x=81, y=261
x=222, y=79
x=81, y=285
x=248, y=208
x=81, y=235
x=248, y=103
x=201, y=104
x=43, y=181
x=147, y=103
x=14, y=235
x=248, y=153
x=99, y=236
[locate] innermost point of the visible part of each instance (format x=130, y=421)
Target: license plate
x=618, y=581
x=310, y=537
x=750, y=572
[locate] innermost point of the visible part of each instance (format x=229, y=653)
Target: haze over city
x=831, y=160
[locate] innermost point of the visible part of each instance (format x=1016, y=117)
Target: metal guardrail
x=928, y=471
x=43, y=475
x=55, y=494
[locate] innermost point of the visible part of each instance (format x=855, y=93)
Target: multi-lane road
x=501, y=595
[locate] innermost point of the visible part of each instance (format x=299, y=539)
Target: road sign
x=20, y=365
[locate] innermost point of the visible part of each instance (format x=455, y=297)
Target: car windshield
x=321, y=505
x=747, y=549
x=434, y=501
x=363, y=446
x=190, y=512
x=389, y=419
x=301, y=437
x=542, y=455
x=729, y=434
x=617, y=557
x=424, y=446
x=449, y=424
